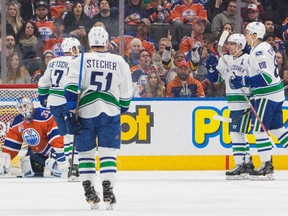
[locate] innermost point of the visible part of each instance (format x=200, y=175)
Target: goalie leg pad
x=5, y=163
x=26, y=166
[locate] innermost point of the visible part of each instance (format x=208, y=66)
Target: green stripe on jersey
x=268, y=89
x=91, y=96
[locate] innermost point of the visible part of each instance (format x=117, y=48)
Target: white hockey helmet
x=68, y=43
x=25, y=106
x=98, y=36
x=238, y=39
x=257, y=28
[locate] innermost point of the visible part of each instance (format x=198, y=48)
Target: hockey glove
x=56, y=163
x=43, y=100
x=71, y=104
x=5, y=163
x=73, y=125
x=238, y=82
x=211, y=63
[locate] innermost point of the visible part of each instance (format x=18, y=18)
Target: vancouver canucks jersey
x=52, y=82
x=239, y=67
x=106, y=84
x=264, y=73
x=40, y=134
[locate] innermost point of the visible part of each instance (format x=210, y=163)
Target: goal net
x=8, y=98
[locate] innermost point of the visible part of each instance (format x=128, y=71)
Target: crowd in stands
x=166, y=42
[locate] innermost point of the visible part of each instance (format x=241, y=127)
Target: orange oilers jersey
x=180, y=10
x=54, y=44
x=45, y=28
x=57, y=10
x=192, y=88
x=186, y=44
x=40, y=135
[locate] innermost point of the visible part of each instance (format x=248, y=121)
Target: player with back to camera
x=106, y=92
x=51, y=93
x=268, y=92
x=236, y=62
x=37, y=128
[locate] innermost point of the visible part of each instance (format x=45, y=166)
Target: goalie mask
x=25, y=106
x=68, y=43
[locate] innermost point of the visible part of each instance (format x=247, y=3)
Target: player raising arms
x=52, y=84
x=236, y=62
x=267, y=88
x=106, y=87
x=38, y=129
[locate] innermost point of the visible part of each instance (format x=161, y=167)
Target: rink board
x=180, y=134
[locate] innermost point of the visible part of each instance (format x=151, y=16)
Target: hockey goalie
x=37, y=128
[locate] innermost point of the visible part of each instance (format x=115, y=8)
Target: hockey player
x=106, y=87
x=36, y=128
x=268, y=92
x=236, y=62
x=52, y=84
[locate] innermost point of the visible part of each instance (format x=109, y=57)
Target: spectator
x=140, y=72
x=183, y=85
x=13, y=17
x=270, y=28
x=244, y=9
x=28, y=41
x=91, y=8
x=53, y=43
x=134, y=52
x=134, y=11
x=48, y=55
x=184, y=12
x=228, y=16
x=60, y=9
x=186, y=44
x=228, y=27
x=10, y=44
x=253, y=13
x=142, y=33
x=154, y=87
x=27, y=9
x=74, y=21
x=42, y=20
x=281, y=11
x=215, y=7
x=16, y=72
x=281, y=61
x=106, y=16
x=213, y=90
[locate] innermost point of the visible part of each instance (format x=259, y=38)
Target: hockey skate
x=237, y=173
x=264, y=172
x=249, y=165
x=108, y=195
x=73, y=176
x=91, y=195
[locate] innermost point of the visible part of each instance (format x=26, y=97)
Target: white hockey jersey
x=239, y=66
x=262, y=61
x=52, y=81
x=106, y=84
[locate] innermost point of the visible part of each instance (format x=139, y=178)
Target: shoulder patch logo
x=258, y=53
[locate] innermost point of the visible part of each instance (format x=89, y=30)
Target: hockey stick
x=226, y=119
x=221, y=42
x=77, y=106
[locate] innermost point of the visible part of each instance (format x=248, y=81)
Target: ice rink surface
x=155, y=193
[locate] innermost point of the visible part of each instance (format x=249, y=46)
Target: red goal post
x=9, y=93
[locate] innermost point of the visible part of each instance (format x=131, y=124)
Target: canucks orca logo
x=31, y=137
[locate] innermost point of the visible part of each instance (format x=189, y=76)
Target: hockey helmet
x=257, y=28
x=238, y=39
x=25, y=106
x=68, y=43
x=98, y=36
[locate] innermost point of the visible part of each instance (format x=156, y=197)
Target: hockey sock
x=238, y=147
x=264, y=146
x=87, y=166
x=108, y=167
x=282, y=135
